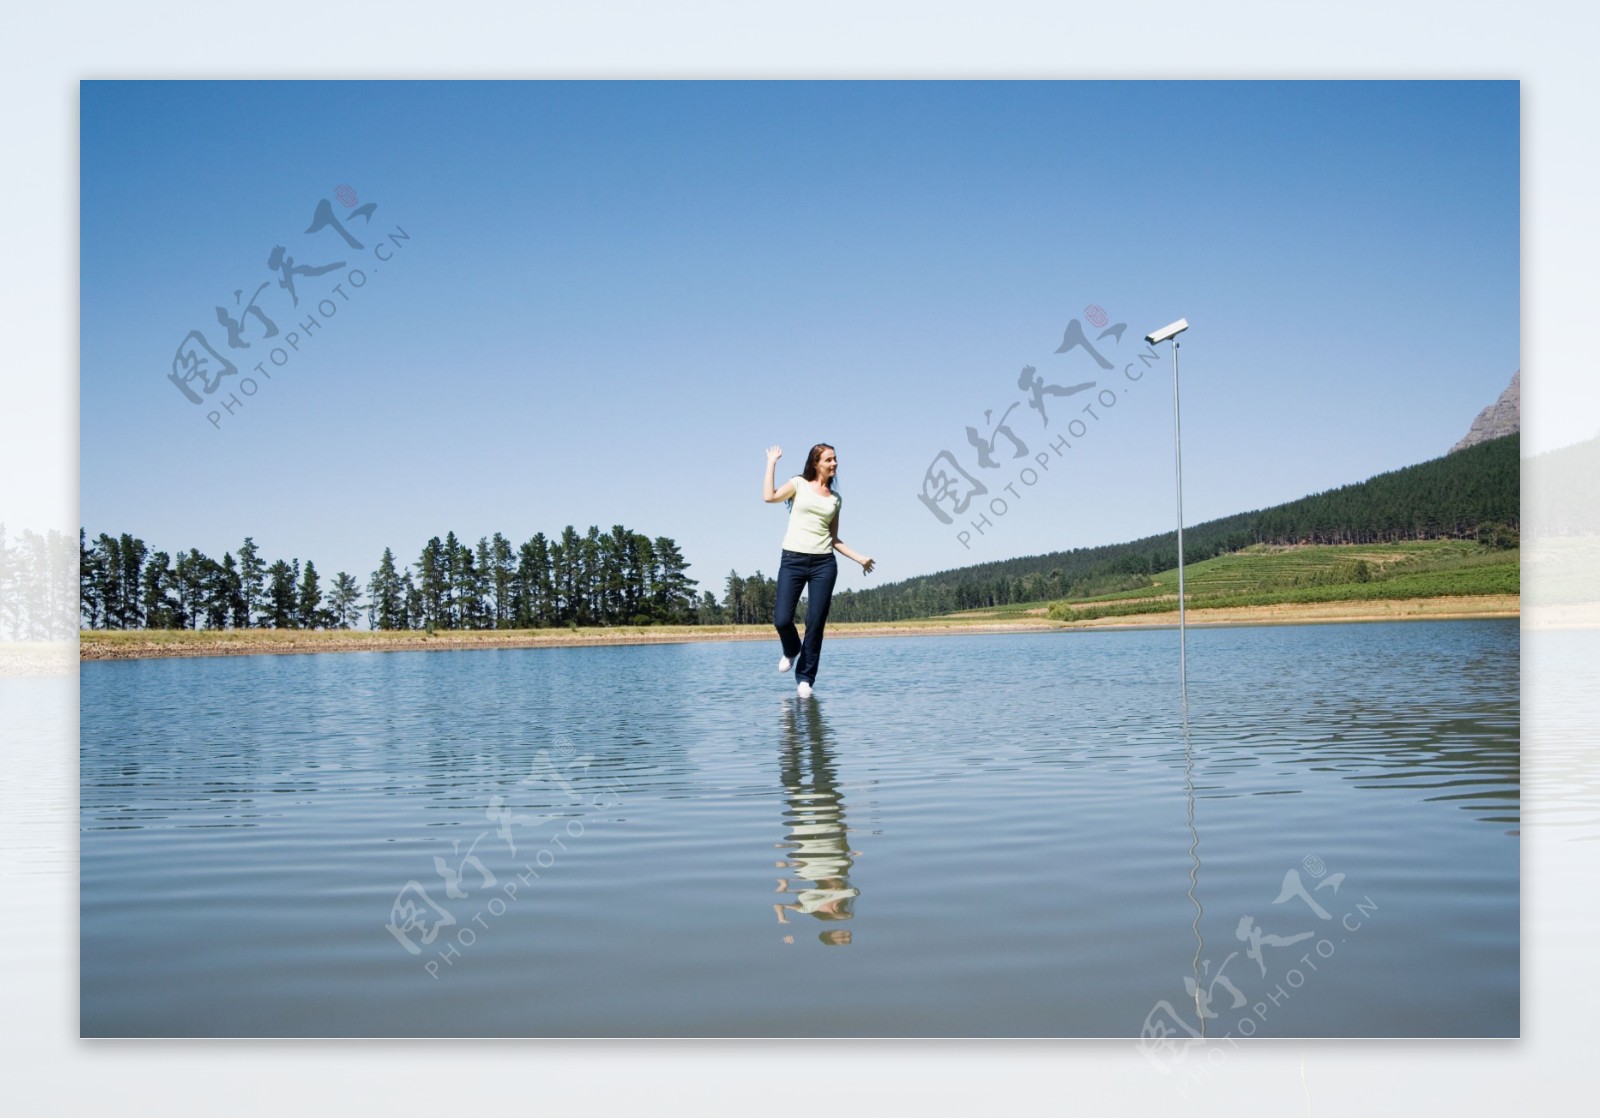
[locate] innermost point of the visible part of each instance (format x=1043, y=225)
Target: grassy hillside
x=1469, y=496
x=1266, y=574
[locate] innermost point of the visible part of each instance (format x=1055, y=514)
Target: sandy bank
x=116, y=645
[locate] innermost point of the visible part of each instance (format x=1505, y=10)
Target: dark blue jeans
x=815, y=575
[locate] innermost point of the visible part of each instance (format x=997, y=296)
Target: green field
x=1268, y=574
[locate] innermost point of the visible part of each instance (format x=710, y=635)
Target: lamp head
x=1172, y=330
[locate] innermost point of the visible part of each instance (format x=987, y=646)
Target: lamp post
x=1155, y=337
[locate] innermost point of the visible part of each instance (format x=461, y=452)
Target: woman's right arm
x=770, y=495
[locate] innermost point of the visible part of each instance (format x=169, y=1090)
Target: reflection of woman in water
x=818, y=840
x=807, y=564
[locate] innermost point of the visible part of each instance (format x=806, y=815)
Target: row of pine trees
x=122, y=584
x=626, y=578
x=36, y=586
x=616, y=578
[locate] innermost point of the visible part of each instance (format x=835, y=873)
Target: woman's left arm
x=867, y=562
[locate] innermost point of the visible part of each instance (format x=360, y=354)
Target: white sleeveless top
x=811, y=519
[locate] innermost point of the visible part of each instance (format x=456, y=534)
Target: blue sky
x=614, y=296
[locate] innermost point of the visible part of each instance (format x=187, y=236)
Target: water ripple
x=647, y=840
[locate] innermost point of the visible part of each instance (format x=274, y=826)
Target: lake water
x=958, y=836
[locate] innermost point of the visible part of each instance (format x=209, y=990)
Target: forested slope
x=1469, y=494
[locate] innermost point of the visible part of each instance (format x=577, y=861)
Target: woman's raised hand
x=774, y=453
x=867, y=565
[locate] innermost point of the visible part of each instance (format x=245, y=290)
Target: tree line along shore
x=1446, y=528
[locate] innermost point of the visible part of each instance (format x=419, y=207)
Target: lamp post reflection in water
x=1193, y=980
x=818, y=867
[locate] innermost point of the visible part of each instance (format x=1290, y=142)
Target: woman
x=808, y=564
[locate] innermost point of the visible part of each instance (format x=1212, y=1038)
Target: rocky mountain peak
x=1502, y=417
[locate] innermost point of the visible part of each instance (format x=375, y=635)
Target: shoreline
x=145, y=644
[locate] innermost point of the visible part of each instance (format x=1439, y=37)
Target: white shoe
x=784, y=664
x=804, y=690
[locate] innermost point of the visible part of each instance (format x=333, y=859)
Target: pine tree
x=431, y=575
x=613, y=549
x=674, y=590
x=226, y=595
x=480, y=580
x=544, y=590
x=344, y=600
x=592, y=577
x=132, y=554
x=387, y=602
x=638, y=579
x=252, y=577
x=280, y=604
x=503, y=565
x=531, y=592
x=309, y=613
x=564, y=568
x=108, y=551
x=91, y=582
x=709, y=612
x=450, y=610
x=416, y=610
x=189, y=585
x=157, y=607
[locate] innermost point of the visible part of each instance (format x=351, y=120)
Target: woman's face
x=827, y=465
